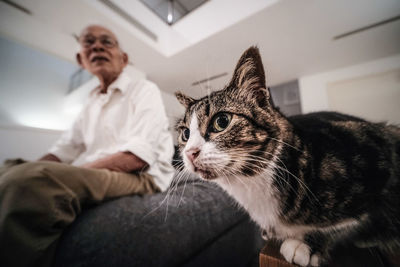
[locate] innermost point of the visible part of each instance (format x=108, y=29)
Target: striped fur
x=311, y=180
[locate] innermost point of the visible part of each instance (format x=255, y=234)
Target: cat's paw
x=295, y=251
x=315, y=260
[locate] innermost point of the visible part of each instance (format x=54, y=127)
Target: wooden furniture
x=348, y=256
x=270, y=256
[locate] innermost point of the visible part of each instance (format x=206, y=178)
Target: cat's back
x=365, y=151
x=352, y=159
x=319, y=121
x=341, y=128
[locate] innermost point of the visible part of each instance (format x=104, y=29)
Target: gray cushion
x=196, y=225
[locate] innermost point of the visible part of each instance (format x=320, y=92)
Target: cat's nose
x=192, y=153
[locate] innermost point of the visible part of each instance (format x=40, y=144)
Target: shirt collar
x=121, y=84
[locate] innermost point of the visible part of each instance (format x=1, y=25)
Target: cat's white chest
x=256, y=196
x=259, y=199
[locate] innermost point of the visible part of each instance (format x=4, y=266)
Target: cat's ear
x=185, y=100
x=249, y=77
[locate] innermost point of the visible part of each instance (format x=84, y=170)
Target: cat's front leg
x=298, y=252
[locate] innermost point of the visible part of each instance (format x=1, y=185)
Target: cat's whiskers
x=182, y=173
x=246, y=154
x=223, y=161
x=230, y=175
x=283, y=142
x=220, y=174
x=211, y=159
x=183, y=190
x=235, y=173
x=264, y=161
x=300, y=182
x=269, y=172
x=218, y=169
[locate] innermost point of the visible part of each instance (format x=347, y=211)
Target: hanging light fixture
x=170, y=16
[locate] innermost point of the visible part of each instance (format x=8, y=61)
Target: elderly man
x=119, y=145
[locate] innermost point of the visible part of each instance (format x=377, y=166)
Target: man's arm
x=50, y=157
x=120, y=162
x=68, y=147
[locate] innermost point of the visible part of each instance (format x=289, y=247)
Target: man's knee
x=22, y=175
x=30, y=188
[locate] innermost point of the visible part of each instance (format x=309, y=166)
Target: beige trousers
x=38, y=200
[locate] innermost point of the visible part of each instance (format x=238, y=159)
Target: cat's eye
x=221, y=122
x=185, y=134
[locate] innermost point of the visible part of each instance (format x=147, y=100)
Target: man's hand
x=50, y=157
x=120, y=162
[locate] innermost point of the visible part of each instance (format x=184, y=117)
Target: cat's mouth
x=207, y=175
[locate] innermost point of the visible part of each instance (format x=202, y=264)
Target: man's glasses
x=106, y=41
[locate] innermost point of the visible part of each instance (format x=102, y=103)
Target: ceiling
x=295, y=37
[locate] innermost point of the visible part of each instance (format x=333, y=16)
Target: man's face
x=100, y=53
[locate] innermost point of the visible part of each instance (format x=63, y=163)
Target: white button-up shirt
x=129, y=117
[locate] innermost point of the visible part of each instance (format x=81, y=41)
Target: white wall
x=32, y=87
x=318, y=92
x=24, y=142
x=375, y=97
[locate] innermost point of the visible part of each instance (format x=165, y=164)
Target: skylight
x=170, y=11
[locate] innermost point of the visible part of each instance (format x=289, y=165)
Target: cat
x=310, y=181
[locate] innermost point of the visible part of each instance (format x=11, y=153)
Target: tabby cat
x=309, y=180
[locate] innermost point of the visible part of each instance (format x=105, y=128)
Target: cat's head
x=231, y=132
